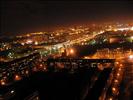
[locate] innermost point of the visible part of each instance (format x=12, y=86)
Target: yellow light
x=131, y=57
x=2, y=82
x=121, y=65
x=27, y=35
x=22, y=43
x=71, y=51
x=115, y=30
x=132, y=37
x=110, y=98
x=36, y=43
x=29, y=41
x=119, y=69
x=118, y=74
x=131, y=28
x=86, y=57
x=116, y=81
x=117, y=63
x=113, y=89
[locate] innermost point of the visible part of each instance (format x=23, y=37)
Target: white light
x=131, y=57
x=12, y=91
x=36, y=43
x=29, y=41
x=118, y=74
x=121, y=29
x=22, y=43
x=131, y=28
x=132, y=37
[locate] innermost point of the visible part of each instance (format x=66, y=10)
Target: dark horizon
x=26, y=16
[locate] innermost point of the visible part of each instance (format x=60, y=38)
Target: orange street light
x=71, y=51
x=17, y=77
x=3, y=82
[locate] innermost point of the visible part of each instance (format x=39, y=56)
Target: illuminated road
x=120, y=83
x=112, y=85
x=126, y=89
x=57, y=47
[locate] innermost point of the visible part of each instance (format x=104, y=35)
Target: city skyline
x=26, y=16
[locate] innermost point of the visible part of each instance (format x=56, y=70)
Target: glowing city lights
x=118, y=74
x=132, y=37
x=17, y=77
x=71, y=51
x=131, y=57
x=116, y=81
x=3, y=82
x=36, y=43
x=12, y=91
x=110, y=98
x=29, y=41
x=132, y=28
x=113, y=89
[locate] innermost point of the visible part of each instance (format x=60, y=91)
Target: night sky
x=21, y=16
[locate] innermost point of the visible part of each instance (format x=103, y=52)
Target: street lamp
x=131, y=57
x=71, y=51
